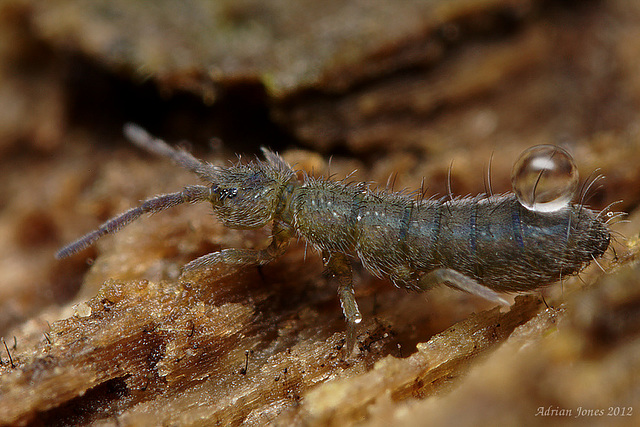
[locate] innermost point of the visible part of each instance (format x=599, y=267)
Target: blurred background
x=404, y=89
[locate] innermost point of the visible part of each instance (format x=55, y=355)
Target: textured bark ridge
x=396, y=88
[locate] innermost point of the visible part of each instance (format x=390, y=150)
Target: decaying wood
x=396, y=87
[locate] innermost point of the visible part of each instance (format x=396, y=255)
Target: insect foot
x=483, y=245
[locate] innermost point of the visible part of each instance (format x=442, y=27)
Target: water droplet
x=544, y=178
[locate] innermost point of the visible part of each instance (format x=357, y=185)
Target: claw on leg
x=230, y=260
x=457, y=280
x=339, y=266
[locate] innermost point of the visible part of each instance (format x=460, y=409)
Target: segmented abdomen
x=493, y=240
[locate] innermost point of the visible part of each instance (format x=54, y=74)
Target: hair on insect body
x=483, y=245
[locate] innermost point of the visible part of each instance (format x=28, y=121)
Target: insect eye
x=225, y=193
x=229, y=193
x=544, y=178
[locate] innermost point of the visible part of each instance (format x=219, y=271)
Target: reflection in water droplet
x=544, y=178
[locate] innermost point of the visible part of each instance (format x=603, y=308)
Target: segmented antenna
x=205, y=171
x=191, y=194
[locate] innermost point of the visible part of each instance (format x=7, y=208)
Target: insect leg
x=457, y=280
x=190, y=194
x=234, y=258
x=339, y=266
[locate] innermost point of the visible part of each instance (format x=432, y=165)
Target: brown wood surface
x=385, y=87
